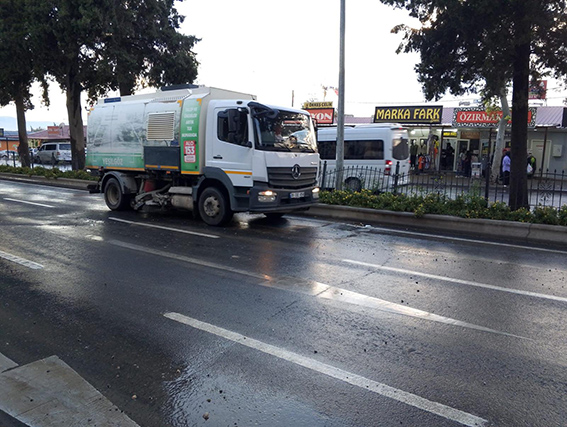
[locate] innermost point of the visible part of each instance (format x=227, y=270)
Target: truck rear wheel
x=114, y=197
x=213, y=207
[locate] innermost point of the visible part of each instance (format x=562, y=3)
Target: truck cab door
x=230, y=139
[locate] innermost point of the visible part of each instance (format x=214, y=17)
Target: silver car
x=54, y=152
x=8, y=154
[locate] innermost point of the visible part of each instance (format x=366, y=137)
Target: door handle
x=217, y=157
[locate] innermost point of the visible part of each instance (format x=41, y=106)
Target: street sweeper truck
x=204, y=149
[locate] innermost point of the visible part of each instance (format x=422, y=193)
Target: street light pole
x=341, y=107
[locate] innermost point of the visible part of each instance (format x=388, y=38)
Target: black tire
x=353, y=184
x=274, y=215
x=213, y=207
x=114, y=197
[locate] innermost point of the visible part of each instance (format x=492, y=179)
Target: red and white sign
x=476, y=117
x=323, y=116
x=189, y=151
x=538, y=90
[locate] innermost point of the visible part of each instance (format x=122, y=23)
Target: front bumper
x=284, y=200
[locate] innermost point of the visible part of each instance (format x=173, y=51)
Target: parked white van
x=371, y=154
x=54, y=153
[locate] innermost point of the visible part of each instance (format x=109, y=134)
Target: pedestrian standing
x=413, y=155
x=421, y=163
x=531, y=164
x=467, y=163
x=506, y=168
x=450, y=156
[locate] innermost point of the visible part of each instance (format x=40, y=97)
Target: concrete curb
x=505, y=230
x=487, y=228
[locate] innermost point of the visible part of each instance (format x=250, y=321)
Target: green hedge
x=464, y=206
x=48, y=173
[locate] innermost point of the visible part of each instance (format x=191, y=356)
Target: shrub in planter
x=545, y=215
x=562, y=215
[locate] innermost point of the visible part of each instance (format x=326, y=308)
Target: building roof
x=551, y=116
x=52, y=132
x=10, y=135
x=351, y=120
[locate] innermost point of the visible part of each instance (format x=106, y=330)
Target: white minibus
x=371, y=154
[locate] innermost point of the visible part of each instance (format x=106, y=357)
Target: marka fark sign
x=411, y=115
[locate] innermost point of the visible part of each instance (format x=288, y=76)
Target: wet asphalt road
x=303, y=322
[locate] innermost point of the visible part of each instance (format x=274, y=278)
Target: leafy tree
x=502, y=124
x=16, y=73
x=466, y=44
x=144, y=48
x=67, y=31
x=97, y=45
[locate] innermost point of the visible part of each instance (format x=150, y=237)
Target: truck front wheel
x=114, y=197
x=213, y=207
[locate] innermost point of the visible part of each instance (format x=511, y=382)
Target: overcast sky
x=286, y=51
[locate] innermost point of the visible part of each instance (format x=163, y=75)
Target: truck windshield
x=286, y=131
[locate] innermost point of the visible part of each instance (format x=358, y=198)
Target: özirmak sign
x=480, y=118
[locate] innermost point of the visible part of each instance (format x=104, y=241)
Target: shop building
x=442, y=134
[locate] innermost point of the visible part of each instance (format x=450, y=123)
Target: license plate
x=297, y=195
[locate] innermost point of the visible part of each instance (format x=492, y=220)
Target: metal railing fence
x=545, y=188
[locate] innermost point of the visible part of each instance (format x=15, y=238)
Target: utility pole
x=341, y=107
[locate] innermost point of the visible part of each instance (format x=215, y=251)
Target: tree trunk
x=499, y=146
x=23, y=148
x=126, y=87
x=76, y=130
x=518, y=154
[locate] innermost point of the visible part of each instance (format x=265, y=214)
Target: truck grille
x=281, y=177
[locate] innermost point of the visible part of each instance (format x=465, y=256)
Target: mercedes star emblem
x=295, y=171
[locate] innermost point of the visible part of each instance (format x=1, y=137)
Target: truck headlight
x=267, y=196
x=315, y=193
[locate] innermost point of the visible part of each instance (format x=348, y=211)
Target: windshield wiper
x=282, y=145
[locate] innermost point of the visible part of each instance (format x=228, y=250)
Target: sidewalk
x=50, y=393
x=506, y=230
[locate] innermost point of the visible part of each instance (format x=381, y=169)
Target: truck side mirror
x=233, y=126
x=233, y=121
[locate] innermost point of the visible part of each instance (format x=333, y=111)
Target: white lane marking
x=461, y=239
x=321, y=290
x=355, y=298
x=21, y=261
x=459, y=281
x=431, y=235
x=161, y=227
x=29, y=203
x=189, y=260
x=411, y=399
